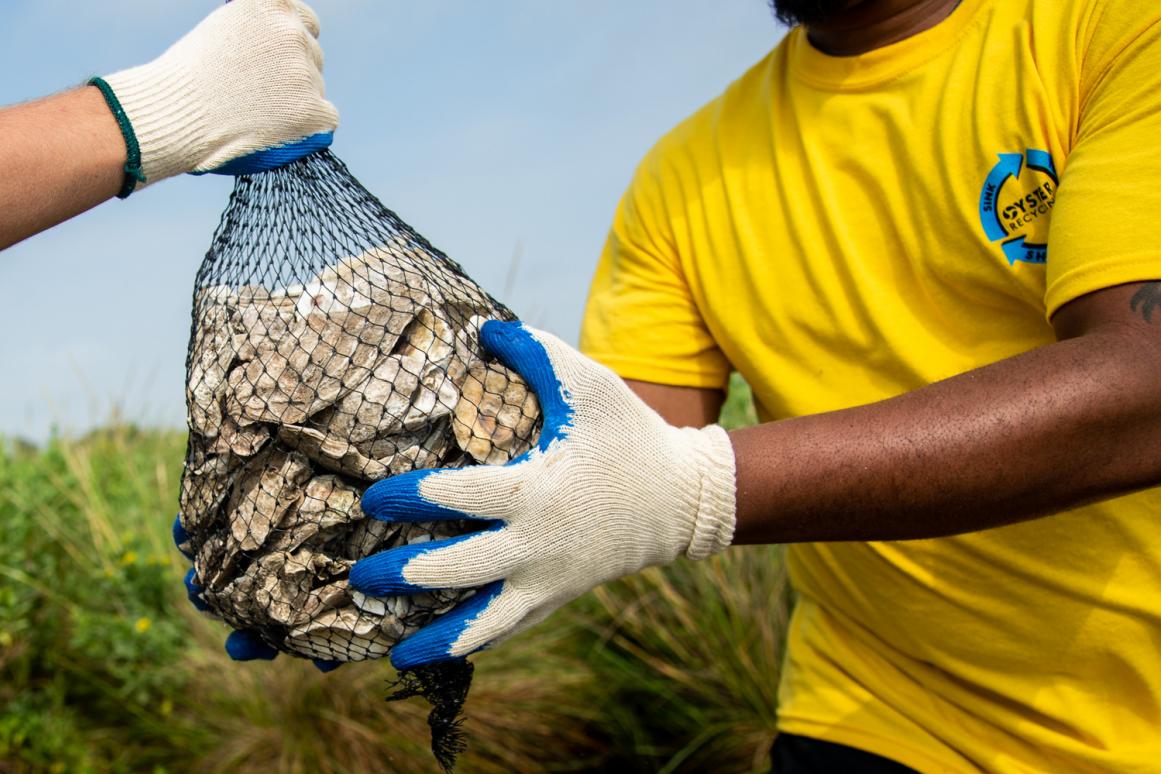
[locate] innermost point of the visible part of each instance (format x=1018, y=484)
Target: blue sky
x=492, y=128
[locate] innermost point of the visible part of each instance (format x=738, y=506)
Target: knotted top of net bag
x=331, y=347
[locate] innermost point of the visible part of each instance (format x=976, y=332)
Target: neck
x=869, y=24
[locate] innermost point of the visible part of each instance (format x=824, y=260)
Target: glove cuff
x=159, y=101
x=713, y=529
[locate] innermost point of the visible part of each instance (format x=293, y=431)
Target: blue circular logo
x=1016, y=203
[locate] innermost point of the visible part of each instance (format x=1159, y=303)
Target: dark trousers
x=800, y=755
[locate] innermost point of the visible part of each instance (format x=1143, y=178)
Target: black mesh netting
x=332, y=346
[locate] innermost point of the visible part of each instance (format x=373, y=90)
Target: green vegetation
x=105, y=667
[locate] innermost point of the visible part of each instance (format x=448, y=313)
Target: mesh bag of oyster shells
x=331, y=347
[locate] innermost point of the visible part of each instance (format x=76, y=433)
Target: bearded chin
x=795, y=12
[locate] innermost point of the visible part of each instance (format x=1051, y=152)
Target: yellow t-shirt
x=843, y=230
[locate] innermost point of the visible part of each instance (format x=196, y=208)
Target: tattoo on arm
x=1146, y=300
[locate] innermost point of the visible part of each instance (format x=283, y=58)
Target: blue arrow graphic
x=1042, y=162
x=1019, y=250
x=1009, y=166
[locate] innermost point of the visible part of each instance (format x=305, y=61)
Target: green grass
x=105, y=667
x=738, y=410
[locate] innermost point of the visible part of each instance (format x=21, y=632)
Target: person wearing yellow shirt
x=928, y=233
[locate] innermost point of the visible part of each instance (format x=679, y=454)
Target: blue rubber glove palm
x=611, y=488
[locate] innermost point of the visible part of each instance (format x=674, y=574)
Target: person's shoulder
x=1113, y=15
x=1073, y=43
x=697, y=138
x=1098, y=30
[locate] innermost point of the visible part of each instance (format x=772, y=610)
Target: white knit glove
x=246, y=80
x=610, y=489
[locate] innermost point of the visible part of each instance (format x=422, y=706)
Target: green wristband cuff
x=133, y=173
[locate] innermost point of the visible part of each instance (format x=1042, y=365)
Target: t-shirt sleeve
x=641, y=318
x=1106, y=223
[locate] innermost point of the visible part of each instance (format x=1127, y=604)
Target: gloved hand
x=241, y=645
x=240, y=93
x=610, y=489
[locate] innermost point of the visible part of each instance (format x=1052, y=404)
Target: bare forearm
x=60, y=156
x=680, y=406
x=1073, y=422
